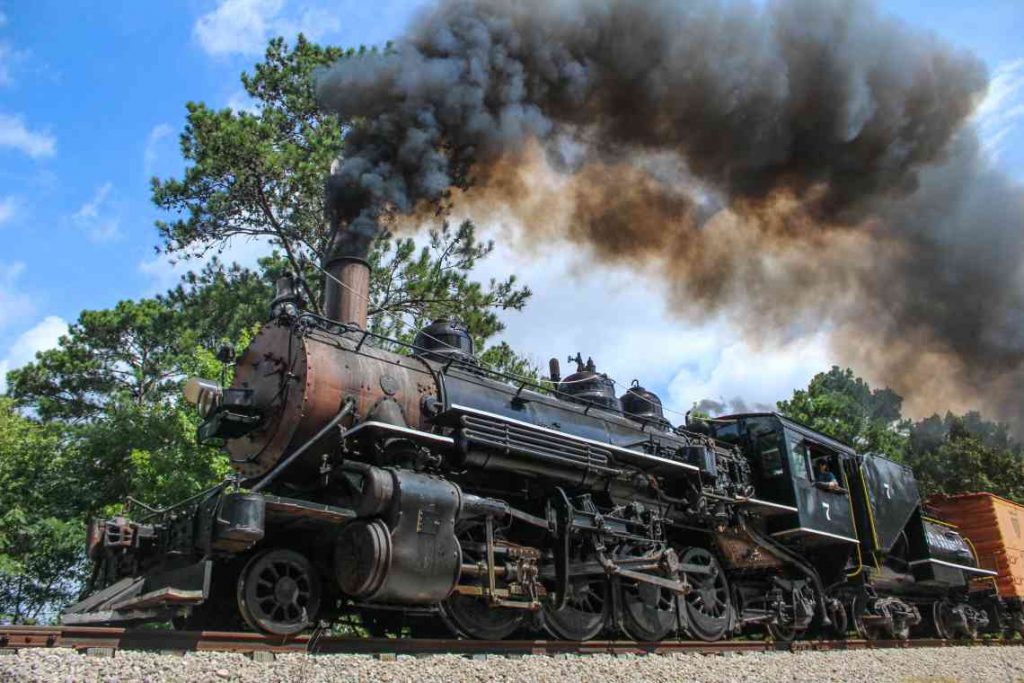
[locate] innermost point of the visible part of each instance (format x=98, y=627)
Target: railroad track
x=98, y=640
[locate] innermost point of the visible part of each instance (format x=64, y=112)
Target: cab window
x=826, y=468
x=800, y=459
x=767, y=447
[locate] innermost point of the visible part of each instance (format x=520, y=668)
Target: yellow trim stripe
x=938, y=521
x=871, y=515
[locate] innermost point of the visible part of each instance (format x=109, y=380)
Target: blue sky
x=92, y=98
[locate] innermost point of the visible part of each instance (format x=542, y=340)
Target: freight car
x=412, y=487
x=992, y=525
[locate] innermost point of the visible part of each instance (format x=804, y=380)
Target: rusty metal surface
x=346, y=300
x=81, y=638
x=995, y=527
x=300, y=382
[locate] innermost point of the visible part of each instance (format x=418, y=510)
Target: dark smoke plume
x=805, y=165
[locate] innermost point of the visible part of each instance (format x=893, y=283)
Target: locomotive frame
x=423, y=492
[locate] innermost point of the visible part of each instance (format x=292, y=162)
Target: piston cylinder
x=408, y=556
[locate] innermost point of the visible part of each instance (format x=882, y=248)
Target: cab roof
x=799, y=427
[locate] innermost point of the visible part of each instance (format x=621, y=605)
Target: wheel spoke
x=279, y=592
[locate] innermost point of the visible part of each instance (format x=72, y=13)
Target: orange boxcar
x=996, y=528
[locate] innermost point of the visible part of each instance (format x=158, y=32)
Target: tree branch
x=279, y=230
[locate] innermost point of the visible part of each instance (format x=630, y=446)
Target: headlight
x=204, y=394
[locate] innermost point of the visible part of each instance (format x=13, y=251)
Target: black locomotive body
x=420, y=491
x=887, y=566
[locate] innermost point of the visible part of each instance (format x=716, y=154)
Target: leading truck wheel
x=279, y=592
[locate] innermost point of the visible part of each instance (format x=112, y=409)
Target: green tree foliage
x=966, y=453
x=129, y=354
x=843, y=406
x=41, y=540
x=100, y=418
x=951, y=454
x=112, y=386
x=257, y=173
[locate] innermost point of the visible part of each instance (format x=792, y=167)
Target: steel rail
x=91, y=638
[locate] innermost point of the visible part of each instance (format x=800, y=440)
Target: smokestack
x=347, y=289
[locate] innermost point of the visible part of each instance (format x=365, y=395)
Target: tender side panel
x=893, y=496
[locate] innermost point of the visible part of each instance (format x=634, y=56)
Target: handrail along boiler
x=420, y=490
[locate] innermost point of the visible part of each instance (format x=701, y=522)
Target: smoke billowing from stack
x=802, y=166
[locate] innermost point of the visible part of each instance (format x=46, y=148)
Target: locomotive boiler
x=413, y=489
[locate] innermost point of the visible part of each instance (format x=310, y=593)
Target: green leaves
x=966, y=453
x=41, y=537
x=41, y=565
x=129, y=353
x=257, y=173
x=954, y=454
x=410, y=287
x=843, y=406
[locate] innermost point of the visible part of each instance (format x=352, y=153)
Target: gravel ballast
x=910, y=665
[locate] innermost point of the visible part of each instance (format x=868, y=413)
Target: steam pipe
x=281, y=466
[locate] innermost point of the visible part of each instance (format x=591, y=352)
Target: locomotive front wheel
x=585, y=613
x=279, y=592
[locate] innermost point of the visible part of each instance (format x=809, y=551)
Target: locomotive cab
x=799, y=470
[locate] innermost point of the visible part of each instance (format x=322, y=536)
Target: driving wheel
x=279, y=592
x=473, y=616
x=940, y=620
x=648, y=611
x=585, y=613
x=706, y=609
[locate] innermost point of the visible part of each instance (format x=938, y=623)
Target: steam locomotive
x=421, y=492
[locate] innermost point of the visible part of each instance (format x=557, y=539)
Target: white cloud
x=1002, y=110
x=619, y=317
x=244, y=26
x=165, y=271
x=44, y=335
x=14, y=304
x=159, y=132
x=8, y=207
x=14, y=134
x=744, y=375
x=240, y=101
x=10, y=60
x=97, y=217
x=92, y=207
